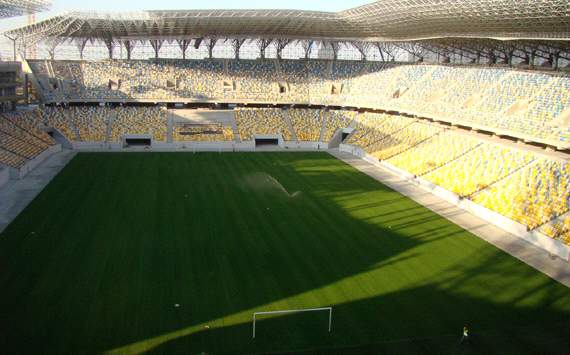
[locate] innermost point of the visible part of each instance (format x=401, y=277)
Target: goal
x=256, y=315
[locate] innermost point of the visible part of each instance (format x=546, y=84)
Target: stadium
x=392, y=178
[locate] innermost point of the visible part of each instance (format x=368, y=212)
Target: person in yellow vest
x=465, y=336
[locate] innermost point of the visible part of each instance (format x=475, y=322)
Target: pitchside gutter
x=537, y=257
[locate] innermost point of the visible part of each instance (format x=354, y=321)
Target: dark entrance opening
x=138, y=142
x=259, y=142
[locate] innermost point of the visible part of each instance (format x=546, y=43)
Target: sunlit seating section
x=402, y=140
x=262, y=121
x=335, y=120
x=432, y=86
x=479, y=168
x=373, y=127
x=434, y=153
x=533, y=195
x=10, y=159
x=318, y=72
x=201, y=78
x=91, y=122
x=139, y=120
x=559, y=229
x=162, y=79
x=294, y=74
x=465, y=89
x=373, y=82
x=307, y=124
x=202, y=133
x=55, y=117
x=255, y=79
x=513, y=88
x=548, y=104
x=343, y=75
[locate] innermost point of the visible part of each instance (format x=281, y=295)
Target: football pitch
x=127, y=253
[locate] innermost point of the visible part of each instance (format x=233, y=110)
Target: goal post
x=288, y=311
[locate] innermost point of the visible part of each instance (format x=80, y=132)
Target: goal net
x=257, y=315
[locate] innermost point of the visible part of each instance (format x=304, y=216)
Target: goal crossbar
x=286, y=311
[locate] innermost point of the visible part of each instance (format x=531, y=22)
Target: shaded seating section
x=307, y=124
x=373, y=127
x=56, y=117
x=263, y=121
x=335, y=120
x=91, y=122
x=402, y=140
x=21, y=140
x=139, y=120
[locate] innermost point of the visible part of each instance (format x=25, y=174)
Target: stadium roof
x=11, y=8
x=384, y=20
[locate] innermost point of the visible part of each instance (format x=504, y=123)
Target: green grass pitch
x=96, y=263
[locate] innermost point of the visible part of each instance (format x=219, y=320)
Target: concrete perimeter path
x=537, y=258
x=17, y=194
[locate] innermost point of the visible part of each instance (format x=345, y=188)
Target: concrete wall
x=32, y=164
x=536, y=238
x=4, y=176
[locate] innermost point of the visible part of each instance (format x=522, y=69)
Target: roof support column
x=110, y=45
x=156, y=44
x=183, y=44
x=262, y=44
x=307, y=47
x=211, y=43
x=335, y=48
x=236, y=44
x=129, y=46
x=81, y=47
x=281, y=44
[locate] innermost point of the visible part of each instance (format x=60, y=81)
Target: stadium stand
x=533, y=195
x=202, y=133
x=139, y=120
x=504, y=100
x=20, y=139
x=336, y=120
x=479, y=168
x=434, y=153
x=307, y=124
x=265, y=121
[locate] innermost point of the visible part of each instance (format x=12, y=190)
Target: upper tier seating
x=528, y=105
